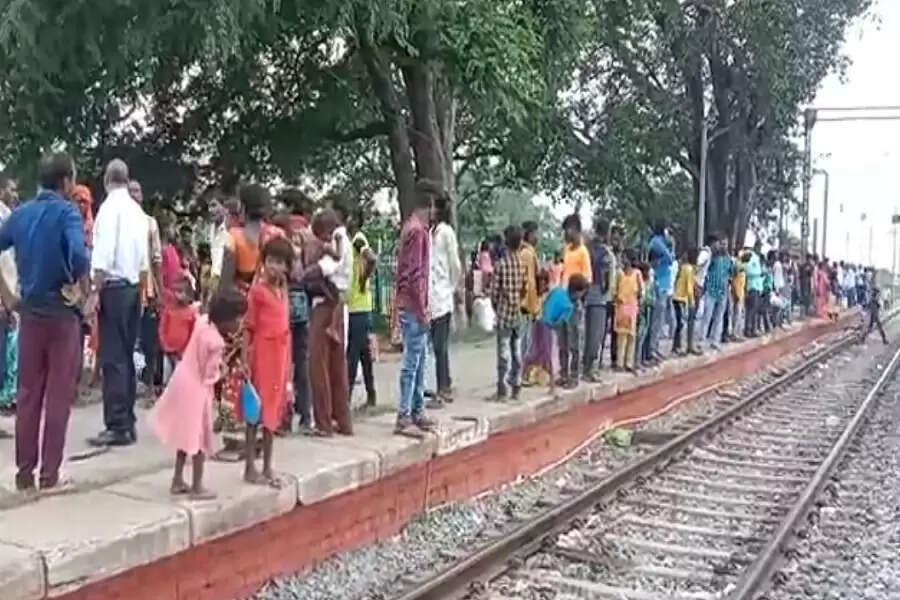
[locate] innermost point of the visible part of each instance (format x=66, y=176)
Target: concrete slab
x=563, y=401
x=601, y=392
x=94, y=535
x=237, y=507
x=21, y=573
x=395, y=452
x=323, y=468
x=84, y=465
x=497, y=416
x=458, y=432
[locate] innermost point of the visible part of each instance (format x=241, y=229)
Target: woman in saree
x=241, y=261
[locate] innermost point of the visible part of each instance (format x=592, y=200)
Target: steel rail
x=758, y=574
x=491, y=559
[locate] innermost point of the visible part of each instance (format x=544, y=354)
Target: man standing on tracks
x=874, y=308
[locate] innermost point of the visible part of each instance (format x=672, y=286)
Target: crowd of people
x=257, y=320
x=597, y=294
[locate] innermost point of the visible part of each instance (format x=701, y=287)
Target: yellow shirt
x=359, y=297
x=531, y=304
x=576, y=260
x=739, y=284
x=684, y=285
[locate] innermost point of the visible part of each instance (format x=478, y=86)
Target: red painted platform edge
x=237, y=565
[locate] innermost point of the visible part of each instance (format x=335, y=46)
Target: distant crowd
x=252, y=322
x=597, y=294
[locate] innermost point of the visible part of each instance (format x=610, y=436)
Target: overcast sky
x=862, y=158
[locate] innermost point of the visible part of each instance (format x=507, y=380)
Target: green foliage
x=599, y=102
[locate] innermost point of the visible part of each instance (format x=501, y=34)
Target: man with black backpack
x=599, y=295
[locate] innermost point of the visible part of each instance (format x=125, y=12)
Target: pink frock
x=183, y=416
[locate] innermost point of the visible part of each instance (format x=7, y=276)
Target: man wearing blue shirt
x=662, y=258
x=52, y=261
x=716, y=291
x=754, y=291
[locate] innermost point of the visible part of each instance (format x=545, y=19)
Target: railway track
x=706, y=515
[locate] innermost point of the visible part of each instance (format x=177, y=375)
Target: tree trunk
x=379, y=69
x=746, y=195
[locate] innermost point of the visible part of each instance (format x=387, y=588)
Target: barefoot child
x=178, y=317
x=627, y=295
x=183, y=416
x=268, y=346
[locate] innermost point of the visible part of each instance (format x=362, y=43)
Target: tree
x=654, y=65
x=360, y=94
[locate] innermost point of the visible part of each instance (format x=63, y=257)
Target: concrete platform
x=120, y=515
x=94, y=535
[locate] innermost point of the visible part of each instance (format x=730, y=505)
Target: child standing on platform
x=628, y=294
x=683, y=301
x=177, y=321
x=183, y=415
x=576, y=260
x=268, y=346
x=643, y=355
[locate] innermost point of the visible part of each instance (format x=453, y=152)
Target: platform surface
x=119, y=514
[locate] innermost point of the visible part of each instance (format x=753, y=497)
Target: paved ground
x=119, y=514
x=473, y=364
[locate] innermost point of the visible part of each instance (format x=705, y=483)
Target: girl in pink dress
x=183, y=416
x=268, y=345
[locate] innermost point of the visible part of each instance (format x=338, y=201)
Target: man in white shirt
x=343, y=270
x=704, y=256
x=120, y=262
x=218, y=238
x=445, y=272
x=849, y=285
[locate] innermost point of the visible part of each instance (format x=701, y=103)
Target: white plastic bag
x=483, y=314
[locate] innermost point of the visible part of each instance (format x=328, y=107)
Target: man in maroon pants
x=53, y=263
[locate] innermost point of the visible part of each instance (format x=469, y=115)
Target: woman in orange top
x=240, y=264
x=81, y=194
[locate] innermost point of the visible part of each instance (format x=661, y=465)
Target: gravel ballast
x=442, y=536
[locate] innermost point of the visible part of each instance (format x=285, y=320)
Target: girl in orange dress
x=628, y=293
x=268, y=346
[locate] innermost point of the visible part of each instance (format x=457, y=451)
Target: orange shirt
x=576, y=259
x=175, y=327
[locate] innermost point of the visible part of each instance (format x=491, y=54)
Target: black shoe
x=123, y=438
x=101, y=439
x=113, y=438
x=371, y=399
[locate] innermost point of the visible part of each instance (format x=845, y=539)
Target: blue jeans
x=657, y=318
x=713, y=312
x=642, y=341
x=509, y=358
x=412, y=367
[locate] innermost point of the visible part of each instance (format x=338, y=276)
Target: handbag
x=250, y=403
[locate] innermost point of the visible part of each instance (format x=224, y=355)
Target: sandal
x=202, y=495
x=273, y=481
